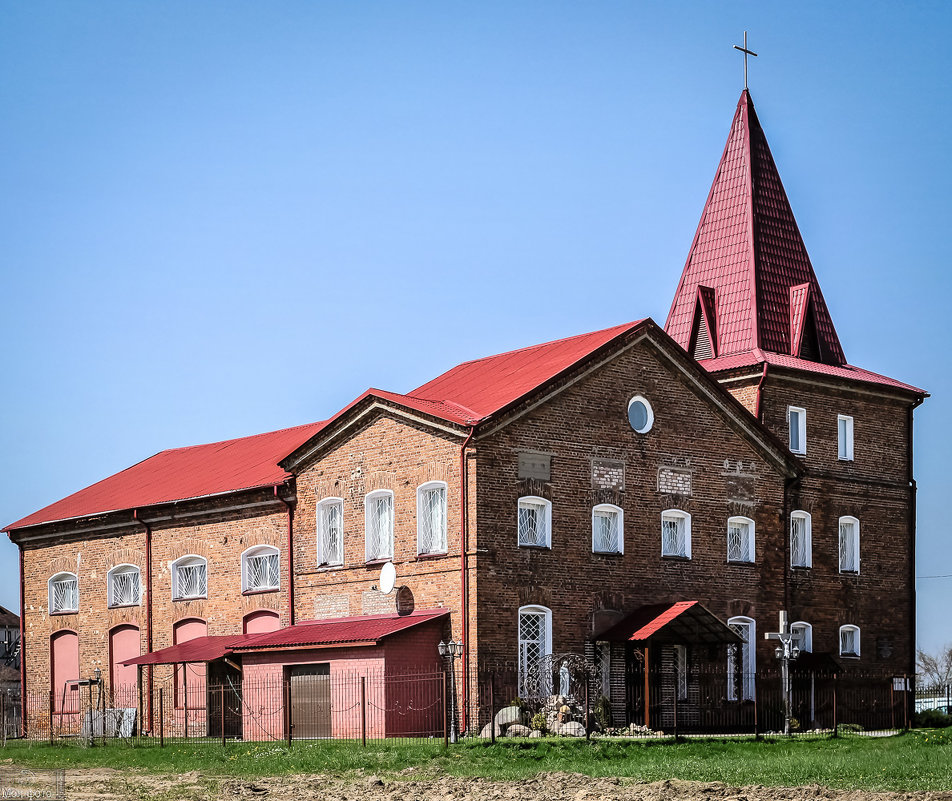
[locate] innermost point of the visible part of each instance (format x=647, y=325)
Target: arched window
x=189, y=578
x=535, y=522
x=742, y=659
x=431, y=517
x=849, y=641
x=260, y=622
x=740, y=539
x=330, y=531
x=849, y=545
x=64, y=593
x=801, y=539
x=676, y=533
x=260, y=569
x=535, y=639
x=608, y=529
x=802, y=636
x=378, y=525
x=123, y=586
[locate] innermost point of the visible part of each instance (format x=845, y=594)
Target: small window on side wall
x=676, y=533
x=431, y=518
x=608, y=529
x=801, y=535
x=797, y=421
x=378, y=525
x=123, y=586
x=260, y=569
x=330, y=531
x=189, y=578
x=849, y=641
x=740, y=539
x=535, y=522
x=64, y=593
x=802, y=636
x=849, y=545
x=844, y=430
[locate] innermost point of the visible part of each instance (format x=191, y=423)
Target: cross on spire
x=746, y=53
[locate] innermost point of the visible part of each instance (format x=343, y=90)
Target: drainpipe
x=23, y=695
x=760, y=387
x=464, y=579
x=913, y=489
x=148, y=605
x=290, y=555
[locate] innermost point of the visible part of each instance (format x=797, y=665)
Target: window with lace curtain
x=676, y=533
x=849, y=545
x=801, y=547
x=123, y=586
x=260, y=569
x=189, y=578
x=431, y=518
x=64, y=593
x=849, y=641
x=607, y=529
x=378, y=525
x=740, y=539
x=535, y=522
x=330, y=531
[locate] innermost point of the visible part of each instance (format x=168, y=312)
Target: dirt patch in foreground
x=115, y=785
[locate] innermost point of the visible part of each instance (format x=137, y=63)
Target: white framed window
x=260, y=569
x=378, y=525
x=535, y=639
x=535, y=522
x=801, y=539
x=189, y=578
x=676, y=533
x=431, y=517
x=849, y=641
x=330, y=531
x=640, y=415
x=849, y=544
x=681, y=671
x=844, y=437
x=742, y=660
x=802, y=636
x=740, y=539
x=608, y=529
x=123, y=586
x=797, y=422
x=64, y=593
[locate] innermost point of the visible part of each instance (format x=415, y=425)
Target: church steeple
x=748, y=282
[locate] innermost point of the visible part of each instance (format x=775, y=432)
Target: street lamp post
x=786, y=651
x=452, y=651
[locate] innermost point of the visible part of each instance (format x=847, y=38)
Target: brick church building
x=677, y=485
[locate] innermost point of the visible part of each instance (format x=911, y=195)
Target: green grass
x=918, y=760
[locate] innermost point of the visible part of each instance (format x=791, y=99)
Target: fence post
x=892, y=703
x=161, y=720
x=185, y=695
x=221, y=691
x=587, y=727
x=287, y=711
x=492, y=708
x=756, y=710
x=51, y=717
x=446, y=731
x=675, y=696
x=835, y=725
x=905, y=705
x=363, y=711
x=3, y=715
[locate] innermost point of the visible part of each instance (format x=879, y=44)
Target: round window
x=640, y=415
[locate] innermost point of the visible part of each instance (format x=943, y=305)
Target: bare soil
x=115, y=785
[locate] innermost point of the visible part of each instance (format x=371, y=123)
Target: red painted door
x=123, y=644
x=64, y=655
x=190, y=682
x=262, y=621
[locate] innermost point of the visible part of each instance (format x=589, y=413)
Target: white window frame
x=546, y=639
x=685, y=517
x=259, y=550
x=369, y=500
x=854, y=523
x=546, y=519
x=852, y=628
x=751, y=535
x=749, y=670
x=430, y=486
x=799, y=514
x=844, y=444
x=322, y=558
x=801, y=429
x=189, y=560
x=58, y=577
x=805, y=640
x=123, y=569
x=620, y=515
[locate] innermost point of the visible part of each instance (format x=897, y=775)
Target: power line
x=947, y=575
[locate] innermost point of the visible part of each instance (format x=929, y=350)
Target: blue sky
x=226, y=218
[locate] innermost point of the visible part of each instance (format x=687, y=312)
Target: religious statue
x=564, y=679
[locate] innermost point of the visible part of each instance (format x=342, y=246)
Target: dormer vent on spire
x=748, y=282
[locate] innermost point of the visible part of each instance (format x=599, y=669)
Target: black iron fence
x=496, y=703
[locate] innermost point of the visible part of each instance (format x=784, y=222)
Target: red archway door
x=191, y=680
x=124, y=644
x=261, y=622
x=64, y=660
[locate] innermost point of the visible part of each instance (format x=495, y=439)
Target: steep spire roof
x=748, y=282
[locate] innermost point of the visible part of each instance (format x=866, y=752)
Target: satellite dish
x=388, y=578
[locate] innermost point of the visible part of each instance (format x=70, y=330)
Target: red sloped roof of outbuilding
x=183, y=473
x=199, y=649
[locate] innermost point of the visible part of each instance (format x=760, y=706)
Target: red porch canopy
x=682, y=623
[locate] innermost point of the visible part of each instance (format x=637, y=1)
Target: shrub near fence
x=487, y=703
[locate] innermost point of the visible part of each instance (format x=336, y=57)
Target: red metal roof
x=183, y=473
x=758, y=357
x=684, y=621
x=748, y=249
x=201, y=649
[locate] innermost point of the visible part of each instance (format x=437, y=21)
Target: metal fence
x=577, y=700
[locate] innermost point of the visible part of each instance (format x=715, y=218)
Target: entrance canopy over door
x=682, y=623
